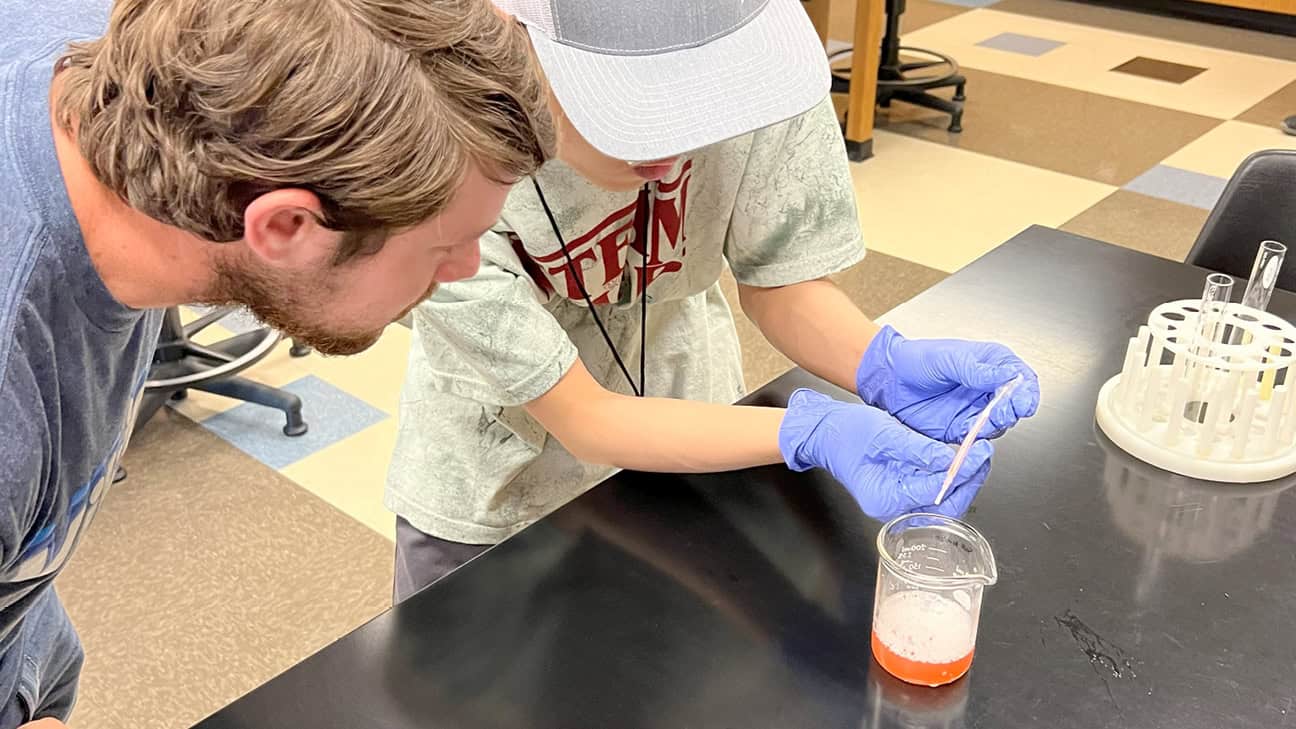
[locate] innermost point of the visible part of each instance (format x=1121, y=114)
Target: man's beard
x=275, y=304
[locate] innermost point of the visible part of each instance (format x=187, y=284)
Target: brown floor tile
x=1096, y=137
x=918, y=14
x=1143, y=223
x=877, y=285
x=1153, y=68
x=1274, y=109
x=204, y=575
x=1156, y=26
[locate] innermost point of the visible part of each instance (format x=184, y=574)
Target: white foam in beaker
x=924, y=626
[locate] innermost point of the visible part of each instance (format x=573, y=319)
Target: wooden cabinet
x=1286, y=7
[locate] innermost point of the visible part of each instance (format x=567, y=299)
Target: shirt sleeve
x=21, y=456
x=794, y=216
x=490, y=338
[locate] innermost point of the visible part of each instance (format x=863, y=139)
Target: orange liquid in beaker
x=922, y=637
x=919, y=672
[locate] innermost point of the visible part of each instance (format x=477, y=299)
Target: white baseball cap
x=648, y=79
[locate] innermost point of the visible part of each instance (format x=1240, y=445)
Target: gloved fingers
x=1026, y=398
x=923, y=486
x=978, y=455
x=1003, y=417
x=937, y=457
x=926, y=454
x=986, y=377
x=960, y=497
x=805, y=397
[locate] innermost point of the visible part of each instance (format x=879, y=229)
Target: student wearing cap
x=595, y=336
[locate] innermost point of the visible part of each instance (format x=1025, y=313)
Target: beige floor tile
x=350, y=474
x=204, y=575
x=877, y=285
x=1097, y=137
x=1272, y=111
x=1221, y=150
x=943, y=207
x=1155, y=25
x=374, y=375
x=1147, y=224
x=1232, y=83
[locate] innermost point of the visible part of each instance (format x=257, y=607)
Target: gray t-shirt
x=72, y=359
x=777, y=206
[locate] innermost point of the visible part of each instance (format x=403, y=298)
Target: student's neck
x=143, y=263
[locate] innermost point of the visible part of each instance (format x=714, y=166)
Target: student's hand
x=44, y=724
x=888, y=468
x=939, y=386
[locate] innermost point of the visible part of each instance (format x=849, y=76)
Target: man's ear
x=283, y=228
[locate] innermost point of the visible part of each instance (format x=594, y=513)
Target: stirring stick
x=977, y=425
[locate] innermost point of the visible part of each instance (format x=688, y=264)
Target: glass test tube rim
x=1256, y=282
x=887, y=561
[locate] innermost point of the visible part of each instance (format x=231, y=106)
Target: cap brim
x=649, y=107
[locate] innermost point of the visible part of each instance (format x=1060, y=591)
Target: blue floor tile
x=1181, y=186
x=330, y=414
x=1027, y=45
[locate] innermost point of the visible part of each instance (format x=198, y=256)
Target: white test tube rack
x=1201, y=406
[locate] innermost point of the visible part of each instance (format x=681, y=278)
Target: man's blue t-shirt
x=72, y=359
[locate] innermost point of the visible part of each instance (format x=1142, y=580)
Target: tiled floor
x=248, y=549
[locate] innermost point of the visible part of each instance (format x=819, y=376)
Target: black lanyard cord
x=644, y=216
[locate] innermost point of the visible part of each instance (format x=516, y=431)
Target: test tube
x=1264, y=275
x=1215, y=298
x=1264, y=279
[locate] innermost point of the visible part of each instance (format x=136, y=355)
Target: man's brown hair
x=190, y=109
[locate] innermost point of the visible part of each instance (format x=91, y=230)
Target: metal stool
x=180, y=364
x=897, y=80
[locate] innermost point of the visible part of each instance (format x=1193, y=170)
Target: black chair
x=180, y=364
x=1258, y=204
x=912, y=81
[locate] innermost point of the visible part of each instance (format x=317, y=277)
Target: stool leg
x=255, y=392
x=958, y=93
x=956, y=122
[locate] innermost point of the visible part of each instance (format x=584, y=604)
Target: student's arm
x=795, y=223
x=654, y=433
x=888, y=468
x=814, y=324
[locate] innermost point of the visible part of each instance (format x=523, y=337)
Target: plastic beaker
x=931, y=572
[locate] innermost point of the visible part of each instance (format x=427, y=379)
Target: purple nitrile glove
x=939, y=386
x=888, y=468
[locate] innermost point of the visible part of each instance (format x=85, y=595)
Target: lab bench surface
x=1128, y=597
